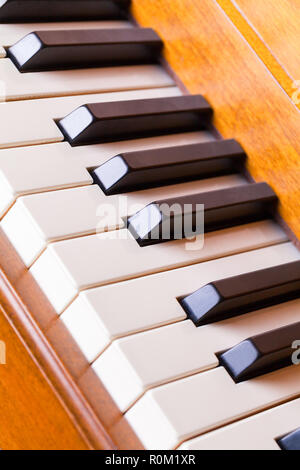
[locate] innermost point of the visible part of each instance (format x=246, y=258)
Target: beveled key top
x=156, y=167
x=19, y=11
x=55, y=50
x=179, y=218
x=261, y=354
x=241, y=294
x=290, y=441
x=122, y=120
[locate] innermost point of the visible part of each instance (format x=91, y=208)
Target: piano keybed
x=64, y=135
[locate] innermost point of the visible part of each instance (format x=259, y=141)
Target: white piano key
x=67, y=267
x=22, y=86
x=59, y=215
x=100, y=315
x=2, y=52
x=132, y=365
x=12, y=33
x=172, y=413
x=31, y=122
x=259, y=432
x=57, y=166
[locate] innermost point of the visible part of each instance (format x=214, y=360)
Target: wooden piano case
x=49, y=398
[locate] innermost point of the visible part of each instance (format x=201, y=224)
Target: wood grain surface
x=211, y=57
x=50, y=398
x=31, y=414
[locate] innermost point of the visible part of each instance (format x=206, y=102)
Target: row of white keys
x=167, y=415
x=24, y=86
x=12, y=33
x=259, y=432
x=132, y=365
x=59, y=215
x=67, y=267
x=58, y=166
x=32, y=122
x=100, y=315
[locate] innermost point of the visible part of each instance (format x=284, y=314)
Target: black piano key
x=19, y=11
x=121, y=120
x=56, y=50
x=291, y=441
x=178, y=218
x=261, y=354
x=146, y=168
x=241, y=294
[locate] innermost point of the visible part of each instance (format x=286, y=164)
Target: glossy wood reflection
x=280, y=32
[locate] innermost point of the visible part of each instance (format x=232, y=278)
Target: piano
x=149, y=232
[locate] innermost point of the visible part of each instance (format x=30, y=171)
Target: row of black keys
x=139, y=170
x=291, y=441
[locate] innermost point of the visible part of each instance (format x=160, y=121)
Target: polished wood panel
x=211, y=57
x=267, y=50
x=82, y=414
x=50, y=398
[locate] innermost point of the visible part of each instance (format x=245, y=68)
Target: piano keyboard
x=191, y=334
